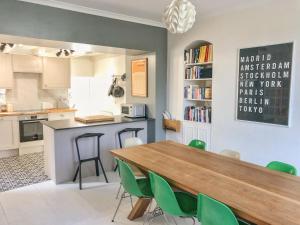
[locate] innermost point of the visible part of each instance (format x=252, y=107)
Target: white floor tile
x=3, y=220
x=47, y=203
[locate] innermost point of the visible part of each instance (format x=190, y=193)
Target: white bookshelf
x=205, y=82
x=198, y=64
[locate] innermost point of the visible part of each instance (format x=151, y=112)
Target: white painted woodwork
x=61, y=156
x=49, y=163
x=6, y=72
x=31, y=147
x=27, y=64
x=61, y=116
x=200, y=131
x=9, y=133
x=56, y=74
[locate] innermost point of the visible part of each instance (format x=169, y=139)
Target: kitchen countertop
x=71, y=124
x=42, y=111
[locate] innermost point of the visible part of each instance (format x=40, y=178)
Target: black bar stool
x=96, y=159
x=126, y=130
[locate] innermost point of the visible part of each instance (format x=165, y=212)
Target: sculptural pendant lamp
x=179, y=16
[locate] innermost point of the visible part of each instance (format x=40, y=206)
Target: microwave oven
x=133, y=110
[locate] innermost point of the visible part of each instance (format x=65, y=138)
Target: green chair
x=201, y=145
x=282, y=167
x=134, y=187
x=180, y=204
x=213, y=212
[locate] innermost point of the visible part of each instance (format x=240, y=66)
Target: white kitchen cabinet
x=56, y=73
x=6, y=72
x=61, y=116
x=9, y=133
x=27, y=64
x=195, y=130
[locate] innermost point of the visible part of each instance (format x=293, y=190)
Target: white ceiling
x=146, y=11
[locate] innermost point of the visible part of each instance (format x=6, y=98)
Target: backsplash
x=27, y=93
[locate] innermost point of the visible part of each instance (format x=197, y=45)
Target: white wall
x=91, y=79
x=27, y=93
x=274, y=23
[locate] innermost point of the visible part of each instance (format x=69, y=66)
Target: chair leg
x=80, y=178
x=131, y=201
x=119, y=204
x=76, y=173
x=119, y=190
x=116, y=167
x=103, y=171
x=97, y=167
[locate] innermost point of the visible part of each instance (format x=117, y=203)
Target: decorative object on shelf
x=139, y=78
x=64, y=52
x=264, y=84
x=179, y=16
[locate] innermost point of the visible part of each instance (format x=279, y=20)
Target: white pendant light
x=179, y=16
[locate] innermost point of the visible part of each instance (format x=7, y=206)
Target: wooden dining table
x=253, y=192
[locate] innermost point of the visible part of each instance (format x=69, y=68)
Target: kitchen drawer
x=61, y=116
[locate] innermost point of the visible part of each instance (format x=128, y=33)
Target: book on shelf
x=198, y=114
x=201, y=54
x=196, y=92
x=198, y=72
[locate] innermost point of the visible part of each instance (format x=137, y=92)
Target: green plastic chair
x=134, y=187
x=213, y=212
x=282, y=167
x=174, y=203
x=201, y=145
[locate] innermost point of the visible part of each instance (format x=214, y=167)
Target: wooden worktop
x=42, y=111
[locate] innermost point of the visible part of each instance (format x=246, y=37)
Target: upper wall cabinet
x=27, y=64
x=6, y=72
x=56, y=73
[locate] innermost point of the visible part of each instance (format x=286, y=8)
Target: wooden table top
x=254, y=193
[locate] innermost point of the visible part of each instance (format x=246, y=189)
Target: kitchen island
x=60, y=151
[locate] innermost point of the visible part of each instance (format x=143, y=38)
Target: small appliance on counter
x=134, y=110
x=9, y=107
x=3, y=108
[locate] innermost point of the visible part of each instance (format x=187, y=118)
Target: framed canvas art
x=139, y=78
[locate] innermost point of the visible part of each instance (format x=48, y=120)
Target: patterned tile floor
x=20, y=171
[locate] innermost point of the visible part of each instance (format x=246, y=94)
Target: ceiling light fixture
x=64, y=52
x=179, y=16
x=6, y=47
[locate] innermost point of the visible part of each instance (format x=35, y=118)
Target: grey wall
x=36, y=21
x=150, y=100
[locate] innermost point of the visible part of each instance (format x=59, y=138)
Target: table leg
x=139, y=208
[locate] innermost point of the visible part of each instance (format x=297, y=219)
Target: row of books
x=198, y=114
x=198, y=72
x=196, y=92
x=199, y=55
